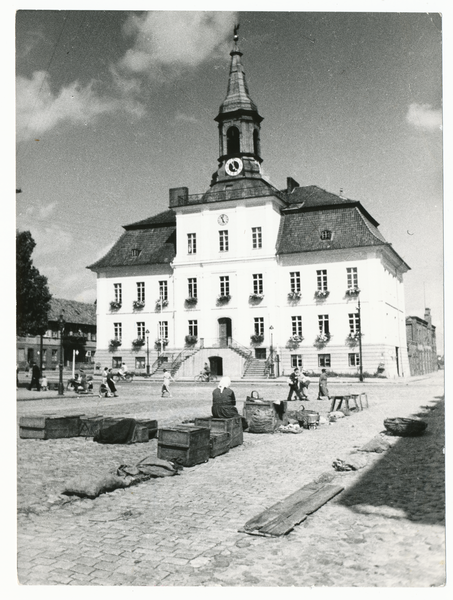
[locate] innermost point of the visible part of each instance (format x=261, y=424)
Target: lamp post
x=360, y=340
x=271, y=329
x=61, y=323
x=147, y=351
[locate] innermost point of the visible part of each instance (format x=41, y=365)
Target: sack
x=262, y=421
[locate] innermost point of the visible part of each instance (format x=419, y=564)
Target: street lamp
x=147, y=351
x=61, y=323
x=271, y=329
x=360, y=339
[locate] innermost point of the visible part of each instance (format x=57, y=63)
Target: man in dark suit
x=35, y=377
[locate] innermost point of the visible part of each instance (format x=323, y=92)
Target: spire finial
x=236, y=37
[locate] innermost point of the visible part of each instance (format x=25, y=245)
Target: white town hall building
x=249, y=278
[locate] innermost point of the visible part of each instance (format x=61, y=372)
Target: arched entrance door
x=216, y=365
x=224, y=331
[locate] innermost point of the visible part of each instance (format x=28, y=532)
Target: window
x=163, y=330
x=321, y=277
x=233, y=140
x=192, y=285
x=256, y=237
x=193, y=328
x=140, y=291
x=163, y=290
x=294, y=280
x=258, y=284
x=118, y=331
x=354, y=359
x=296, y=326
x=54, y=356
x=54, y=333
x=324, y=360
x=223, y=240
x=296, y=361
x=191, y=243
x=118, y=292
x=353, y=322
x=323, y=323
x=326, y=234
x=259, y=325
x=224, y=285
x=139, y=363
x=352, y=278
x=141, y=330
x=117, y=361
x=135, y=252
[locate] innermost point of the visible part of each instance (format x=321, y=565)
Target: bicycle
x=204, y=377
x=127, y=377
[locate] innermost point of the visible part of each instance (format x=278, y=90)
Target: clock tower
x=239, y=127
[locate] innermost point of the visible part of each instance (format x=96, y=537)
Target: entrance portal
x=216, y=364
x=224, y=331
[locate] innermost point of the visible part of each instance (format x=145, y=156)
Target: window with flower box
x=224, y=285
x=223, y=240
x=163, y=330
x=192, y=287
x=294, y=281
x=141, y=291
x=141, y=330
x=163, y=290
x=352, y=278
x=193, y=328
x=191, y=243
x=256, y=238
x=296, y=326
x=258, y=283
x=258, y=325
x=117, y=331
x=323, y=324
x=354, y=323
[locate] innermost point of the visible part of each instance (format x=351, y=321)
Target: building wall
x=421, y=346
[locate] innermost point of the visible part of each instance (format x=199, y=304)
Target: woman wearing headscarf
x=224, y=402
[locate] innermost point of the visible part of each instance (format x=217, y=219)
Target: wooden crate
x=233, y=426
x=90, y=426
x=151, y=425
x=186, y=444
x=141, y=434
x=219, y=444
x=49, y=427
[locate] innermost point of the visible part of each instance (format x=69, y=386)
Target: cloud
x=39, y=110
x=167, y=42
x=183, y=118
x=423, y=116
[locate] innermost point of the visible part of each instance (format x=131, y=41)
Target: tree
x=32, y=294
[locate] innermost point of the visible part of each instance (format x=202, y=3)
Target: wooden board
x=283, y=516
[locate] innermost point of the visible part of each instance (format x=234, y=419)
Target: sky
x=113, y=108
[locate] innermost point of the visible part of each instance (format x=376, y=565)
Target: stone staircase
x=256, y=369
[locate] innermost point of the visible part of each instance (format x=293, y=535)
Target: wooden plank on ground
x=285, y=515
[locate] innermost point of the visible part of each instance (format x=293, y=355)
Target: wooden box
x=151, y=425
x=49, y=427
x=233, y=426
x=219, y=444
x=141, y=434
x=90, y=426
x=186, y=444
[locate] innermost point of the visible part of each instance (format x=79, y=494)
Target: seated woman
x=224, y=402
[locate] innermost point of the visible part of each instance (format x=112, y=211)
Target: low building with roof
x=79, y=337
x=252, y=279
x=421, y=344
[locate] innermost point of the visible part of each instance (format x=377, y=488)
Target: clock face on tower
x=233, y=166
x=222, y=220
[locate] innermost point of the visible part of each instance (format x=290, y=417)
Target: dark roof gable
x=77, y=313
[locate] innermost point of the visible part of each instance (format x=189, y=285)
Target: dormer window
x=135, y=252
x=326, y=234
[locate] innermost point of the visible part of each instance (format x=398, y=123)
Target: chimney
x=179, y=196
x=428, y=316
x=341, y=193
x=291, y=184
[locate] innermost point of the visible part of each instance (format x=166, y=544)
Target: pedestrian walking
x=111, y=383
x=224, y=402
x=166, y=383
x=35, y=377
x=304, y=382
x=293, y=382
x=323, y=389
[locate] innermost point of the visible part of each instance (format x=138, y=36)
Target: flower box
x=138, y=304
x=294, y=341
x=115, y=343
x=115, y=305
x=161, y=343
x=294, y=295
x=191, y=339
x=322, y=339
x=352, y=292
x=161, y=303
x=138, y=342
x=321, y=294
x=191, y=301
x=257, y=338
x=223, y=298
x=256, y=297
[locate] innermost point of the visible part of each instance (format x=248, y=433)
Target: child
x=166, y=383
x=44, y=383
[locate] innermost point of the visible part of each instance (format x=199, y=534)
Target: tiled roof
x=151, y=241
x=300, y=230
x=78, y=313
x=312, y=196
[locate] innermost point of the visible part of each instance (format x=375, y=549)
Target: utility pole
x=360, y=340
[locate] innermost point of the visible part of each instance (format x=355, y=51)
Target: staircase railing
x=181, y=357
x=239, y=348
x=157, y=363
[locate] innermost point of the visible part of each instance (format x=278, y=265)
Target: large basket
x=308, y=419
x=405, y=427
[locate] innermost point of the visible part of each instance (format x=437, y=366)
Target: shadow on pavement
x=407, y=480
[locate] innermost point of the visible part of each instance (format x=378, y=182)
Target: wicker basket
x=405, y=427
x=308, y=419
